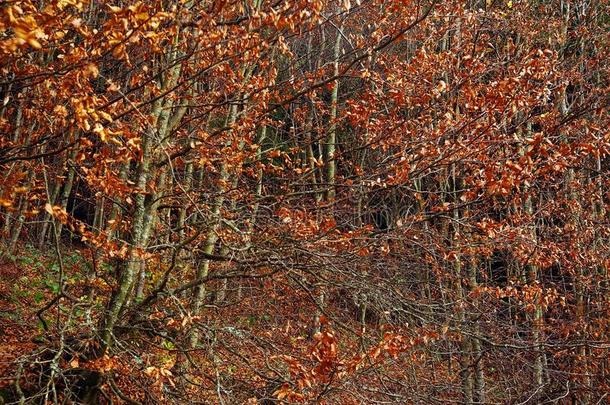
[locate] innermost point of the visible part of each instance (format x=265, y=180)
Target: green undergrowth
x=31, y=277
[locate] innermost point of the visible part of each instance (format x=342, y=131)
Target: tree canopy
x=385, y=201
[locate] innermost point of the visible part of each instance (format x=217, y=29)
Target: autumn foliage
x=304, y=201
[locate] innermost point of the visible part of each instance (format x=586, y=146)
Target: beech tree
x=305, y=201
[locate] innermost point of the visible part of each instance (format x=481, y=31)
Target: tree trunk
x=132, y=264
x=331, y=138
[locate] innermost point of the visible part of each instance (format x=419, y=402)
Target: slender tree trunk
x=132, y=264
x=42, y=237
x=211, y=238
x=116, y=207
x=20, y=217
x=188, y=184
x=532, y=279
x=331, y=138
x=466, y=366
x=477, y=352
x=67, y=189
x=150, y=220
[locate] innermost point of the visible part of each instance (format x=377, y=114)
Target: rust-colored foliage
x=304, y=201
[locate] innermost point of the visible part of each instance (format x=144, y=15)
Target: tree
x=187, y=185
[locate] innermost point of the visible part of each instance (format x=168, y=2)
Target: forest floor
x=18, y=306
x=263, y=325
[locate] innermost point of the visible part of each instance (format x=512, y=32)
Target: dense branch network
x=304, y=201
